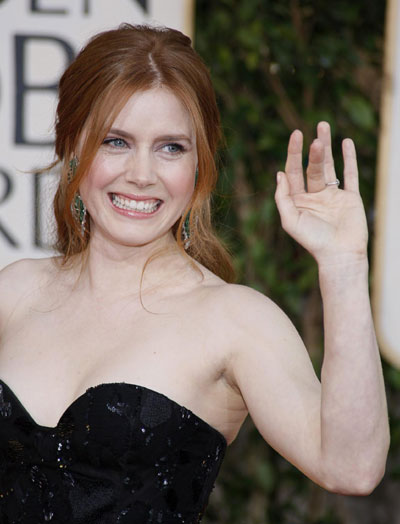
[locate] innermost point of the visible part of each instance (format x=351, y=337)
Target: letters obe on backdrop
x=38, y=38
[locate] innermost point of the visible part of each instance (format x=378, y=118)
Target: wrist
x=343, y=262
x=346, y=270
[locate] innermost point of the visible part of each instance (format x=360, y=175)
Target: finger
x=350, y=165
x=324, y=134
x=294, y=163
x=284, y=201
x=315, y=169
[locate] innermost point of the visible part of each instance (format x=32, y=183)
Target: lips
x=144, y=205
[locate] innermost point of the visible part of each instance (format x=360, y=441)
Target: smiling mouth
x=142, y=206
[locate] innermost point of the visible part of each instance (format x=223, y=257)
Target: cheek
x=180, y=182
x=181, y=186
x=98, y=176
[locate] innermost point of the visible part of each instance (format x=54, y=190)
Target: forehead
x=155, y=110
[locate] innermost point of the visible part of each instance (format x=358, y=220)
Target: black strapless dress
x=121, y=453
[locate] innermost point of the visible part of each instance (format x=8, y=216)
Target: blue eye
x=174, y=148
x=115, y=142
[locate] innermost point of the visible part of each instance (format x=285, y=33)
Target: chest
x=120, y=336
x=65, y=350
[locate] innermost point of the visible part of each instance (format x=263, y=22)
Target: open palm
x=329, y=222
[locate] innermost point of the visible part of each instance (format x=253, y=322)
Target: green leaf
x=360, y=111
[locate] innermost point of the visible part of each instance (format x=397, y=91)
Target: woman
x=130, y=362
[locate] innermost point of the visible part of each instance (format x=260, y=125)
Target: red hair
x=106, y=73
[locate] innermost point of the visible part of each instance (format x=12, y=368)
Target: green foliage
x=277, y=66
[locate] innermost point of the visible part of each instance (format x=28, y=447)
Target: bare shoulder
x=246, y=318
x=19, y=279
x=249, y=311
x=257, y=334
x=20, y=273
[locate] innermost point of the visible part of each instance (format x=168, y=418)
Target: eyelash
x=110, y=141
x=180, y=148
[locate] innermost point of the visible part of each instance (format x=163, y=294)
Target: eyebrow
x=167, y=138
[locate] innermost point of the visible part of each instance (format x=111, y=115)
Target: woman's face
x=142, y=177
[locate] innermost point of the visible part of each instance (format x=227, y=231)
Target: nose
x=140, y=169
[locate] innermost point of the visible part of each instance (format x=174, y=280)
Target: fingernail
x=278, y=177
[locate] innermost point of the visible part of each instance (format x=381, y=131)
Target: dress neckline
x=104, y=385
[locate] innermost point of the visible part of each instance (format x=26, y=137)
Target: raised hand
x=329, y=222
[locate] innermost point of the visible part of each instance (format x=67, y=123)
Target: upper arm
x=274, y=373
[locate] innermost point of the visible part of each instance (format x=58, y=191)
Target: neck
x=118, y=271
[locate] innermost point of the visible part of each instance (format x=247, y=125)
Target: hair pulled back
x=95, y=87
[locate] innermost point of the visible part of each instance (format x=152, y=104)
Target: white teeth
x=135, y=205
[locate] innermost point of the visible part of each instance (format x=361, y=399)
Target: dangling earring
x=73, y=164
x=186, y=231
x=78, y=207
x=186, y=224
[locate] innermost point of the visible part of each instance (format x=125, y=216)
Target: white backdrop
x=38, y=38
x=386, y=267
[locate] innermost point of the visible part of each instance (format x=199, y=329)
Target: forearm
x=354, y=422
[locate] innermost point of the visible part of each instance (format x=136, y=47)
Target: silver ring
x=335, y=183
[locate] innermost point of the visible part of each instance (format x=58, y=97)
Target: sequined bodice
x=121, y=453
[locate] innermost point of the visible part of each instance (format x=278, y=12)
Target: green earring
x=73, y=164
x=186, y=224
x=78, y=207
x=80, y=212
x=186, y=231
